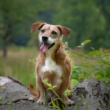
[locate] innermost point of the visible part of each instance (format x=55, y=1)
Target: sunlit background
x=88, y=20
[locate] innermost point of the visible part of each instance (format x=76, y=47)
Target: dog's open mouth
x=44, y=47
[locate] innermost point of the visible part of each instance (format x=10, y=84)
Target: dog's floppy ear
x=65, y=31
x=36, y=26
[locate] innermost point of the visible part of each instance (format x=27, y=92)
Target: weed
x=50, y=87
x=11, y=107
x=85, y=102
x=78, y=106
x=0, y=99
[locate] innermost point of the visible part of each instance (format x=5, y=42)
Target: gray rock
x=15, y=92
x=96, y=95
x=4, y=80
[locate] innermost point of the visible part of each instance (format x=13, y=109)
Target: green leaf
x=79, y=69
x=45, y=80
x=74, y=82
x=67, y=92
x=0, y=99
x=55, y=106
x=70, y=56
x=95, y=73
x=78, y=106
x=86, y=41
x=75, y=75
x=49, y=89
x=54, y=86
x=83, y=97
x=79, y=46
x=48, y=84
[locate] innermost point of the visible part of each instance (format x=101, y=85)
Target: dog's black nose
x=44, y=38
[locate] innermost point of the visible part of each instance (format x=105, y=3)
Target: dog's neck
x=52, y=53
x=57, y=54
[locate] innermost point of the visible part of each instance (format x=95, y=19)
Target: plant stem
x=87, y=57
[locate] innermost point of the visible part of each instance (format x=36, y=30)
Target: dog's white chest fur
x=50, y=66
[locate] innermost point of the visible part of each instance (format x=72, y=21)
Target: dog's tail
x=32, y=91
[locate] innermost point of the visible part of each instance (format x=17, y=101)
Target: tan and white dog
x=52, y=63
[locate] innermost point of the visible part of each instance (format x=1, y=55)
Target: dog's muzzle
x=44, y=39
x=45, y=46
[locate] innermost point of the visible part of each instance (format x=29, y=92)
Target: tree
x=84, y=18
x=45, y=16
x=17, y=16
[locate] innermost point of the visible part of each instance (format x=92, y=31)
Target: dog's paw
x=69, y=102
x=41, y=101
x=33, y=98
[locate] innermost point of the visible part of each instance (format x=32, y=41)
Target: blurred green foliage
x=88, y=19
x=16, y=18
x=99, y=70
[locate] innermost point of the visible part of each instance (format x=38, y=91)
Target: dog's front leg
x=42, y=90
x=64, y=86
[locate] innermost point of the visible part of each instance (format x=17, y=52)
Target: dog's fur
x=53, y=64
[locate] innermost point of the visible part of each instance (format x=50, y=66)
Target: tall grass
x=17, y=64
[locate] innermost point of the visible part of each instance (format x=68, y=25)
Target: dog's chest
x=51, y=66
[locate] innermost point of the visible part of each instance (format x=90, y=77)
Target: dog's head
x=50, y=35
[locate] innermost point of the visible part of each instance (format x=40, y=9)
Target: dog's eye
x=42, y=30
x=53, y=32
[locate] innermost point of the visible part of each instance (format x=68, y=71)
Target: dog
x=52, y=63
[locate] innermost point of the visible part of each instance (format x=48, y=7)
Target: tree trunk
x=4, y=48
x=6, y=35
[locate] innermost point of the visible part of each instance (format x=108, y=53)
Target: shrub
x=100, y=70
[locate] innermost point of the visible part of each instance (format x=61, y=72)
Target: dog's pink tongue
x=44, y=47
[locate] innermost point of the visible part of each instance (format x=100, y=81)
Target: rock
x=14, y=91
x=4, y=80
x=96, y=95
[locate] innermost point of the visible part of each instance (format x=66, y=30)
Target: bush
x=100, y=70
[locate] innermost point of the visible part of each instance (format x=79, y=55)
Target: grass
x=17, y=64
x=10, y=107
